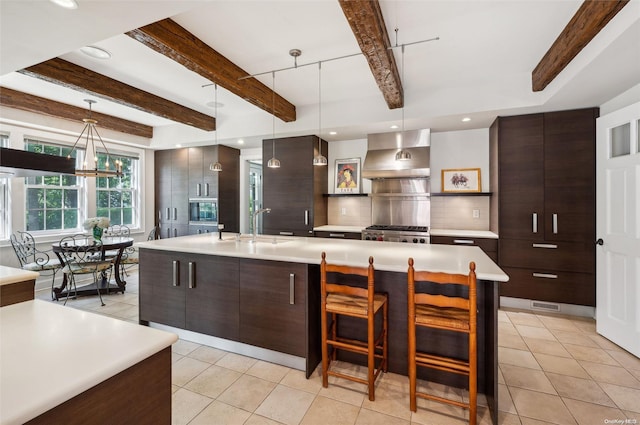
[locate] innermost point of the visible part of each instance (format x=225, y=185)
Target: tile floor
x=553, y=370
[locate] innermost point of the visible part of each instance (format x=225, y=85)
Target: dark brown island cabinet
x=546, y=201
x=184, y=174
x=294, y=192
x=488, y=245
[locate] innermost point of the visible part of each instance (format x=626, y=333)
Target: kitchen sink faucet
x=255, y=221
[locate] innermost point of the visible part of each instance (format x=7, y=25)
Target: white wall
x=627, y=98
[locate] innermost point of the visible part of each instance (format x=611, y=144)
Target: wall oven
x=203, y=211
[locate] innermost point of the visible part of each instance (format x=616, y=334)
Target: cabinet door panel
x=195, y=172
x=163, y=186
x=521, y=176
x=160, y=301
x=179, y=187
x=212, y=304
x=267, y=319
x=567, y=256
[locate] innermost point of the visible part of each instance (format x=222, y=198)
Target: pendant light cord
x=273, y=114
x=319, y=106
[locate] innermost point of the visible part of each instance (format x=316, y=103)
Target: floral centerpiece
x=97, y=226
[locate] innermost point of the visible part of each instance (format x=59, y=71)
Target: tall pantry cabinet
x=546, y=191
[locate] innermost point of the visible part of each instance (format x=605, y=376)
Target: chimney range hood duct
x=380, y=161
x=19, y=163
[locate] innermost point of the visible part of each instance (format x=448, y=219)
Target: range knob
x=415, y=240
x=379, y=238
x=404, y=240
x=367, y=238
x=422, y=240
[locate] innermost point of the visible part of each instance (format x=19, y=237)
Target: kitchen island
x=262, y=298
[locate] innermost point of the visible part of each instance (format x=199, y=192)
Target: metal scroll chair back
x=31, y=258
x=82, y=255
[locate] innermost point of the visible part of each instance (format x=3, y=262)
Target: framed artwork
x=460, y=180
x=347, y=175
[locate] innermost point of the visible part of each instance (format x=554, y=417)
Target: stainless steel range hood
x=380, y=161
x=18, y=163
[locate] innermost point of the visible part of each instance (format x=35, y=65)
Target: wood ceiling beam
x=172, y=40
x=367, y=24
x=28, y=102
x=67, y=74
x=591, y=17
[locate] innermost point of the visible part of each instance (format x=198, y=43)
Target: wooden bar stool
x=364, y=303
x=451, y=313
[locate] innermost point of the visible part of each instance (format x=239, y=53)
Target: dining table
x=109, y=243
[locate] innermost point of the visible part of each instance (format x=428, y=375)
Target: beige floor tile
x=328, y=411
x=174, y=388
x=207, y=354
x=512, y=341
x=247, y=392
x=585, y=325
x=521, y=377
x=269, y=371
x=297, y=379
x=432, y=413
x=213, y=381
x=390, y=400
x=184, y=347
x=503, y=317
x=506, y=328
x=522, y=318
x=544, y=346
x=604, y=343
x=437, y=389
x=175, y=357
x=260, y=420
x=580, y=389
x=236, y=362
x=369, y=417
x=592, y=414
x=590, y=354
x=624, y=397
x=185, y=369
x=559, y=323
x=344, y=390
x=530, y=421
x=611, y=374
x=286, y=405
x=500, y=376
x=503, y=419
x=529, y=403
x=394, y=379
x=221, y=413
x=632, y=415
x=535, y=332
x=131, y=312
x=517, y=358
x=573, y=338
x=627, y=360
x=505, y=403
x=186, y=405
x=635, y=373
x=561, y=365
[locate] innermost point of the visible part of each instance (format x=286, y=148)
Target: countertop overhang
x=9, y=275
x=388, y=256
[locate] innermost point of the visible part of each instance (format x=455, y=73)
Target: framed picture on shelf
x=347, y=175
x=460, y=180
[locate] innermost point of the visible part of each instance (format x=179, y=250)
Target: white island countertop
x=456, y=233
x=50, y=353
x=389, y=256
x=9, y=275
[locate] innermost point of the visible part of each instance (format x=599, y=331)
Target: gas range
x=395, y=233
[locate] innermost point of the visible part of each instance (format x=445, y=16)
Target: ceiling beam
x=367, y=24
x=172, y=40
x=28, y=102
x=591, y=17
x=67, y=74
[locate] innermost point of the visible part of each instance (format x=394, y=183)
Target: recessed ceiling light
x=212, y=104
x=67, y=4
x=466, y=119
x=394, y=126
x=95, y=52
x=333, y=133
x=240, y=142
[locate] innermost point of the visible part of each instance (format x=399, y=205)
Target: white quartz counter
x=464, y=233
x=10, y=275
x=338, y=228
x=50, y=353
x=389, y=256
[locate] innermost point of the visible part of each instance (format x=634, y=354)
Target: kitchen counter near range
x=50, y=354
x=456, y=233
x=338, y=228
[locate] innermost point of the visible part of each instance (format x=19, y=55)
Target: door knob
x=600, y=242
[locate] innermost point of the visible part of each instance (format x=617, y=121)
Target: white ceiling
x=480, y=67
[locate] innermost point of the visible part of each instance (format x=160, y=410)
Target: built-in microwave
x=203, y=211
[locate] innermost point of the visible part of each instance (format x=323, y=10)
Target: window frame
x=134, y=189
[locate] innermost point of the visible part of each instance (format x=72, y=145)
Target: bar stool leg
x=371, y=365
x=385, y=343
x=334, y=335
x=325, y=350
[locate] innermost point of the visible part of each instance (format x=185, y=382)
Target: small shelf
x=332, y=195
x=462, y=194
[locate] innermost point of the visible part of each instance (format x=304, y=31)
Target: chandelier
x=94, y=170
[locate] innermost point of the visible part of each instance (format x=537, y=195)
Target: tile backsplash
x=456, y=212
x=349, y=211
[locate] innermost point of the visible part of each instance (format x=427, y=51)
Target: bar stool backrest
x=338, y=288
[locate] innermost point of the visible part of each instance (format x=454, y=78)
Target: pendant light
x=217, y=167
x=273, y=162
x=320, y=159
x=402, y=154
x=90, y=129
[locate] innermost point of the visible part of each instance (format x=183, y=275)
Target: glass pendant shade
x=403, y=155
x=273, y=163
x=215, y=167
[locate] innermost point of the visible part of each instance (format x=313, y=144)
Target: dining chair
x=81, y=255
x=33, y=259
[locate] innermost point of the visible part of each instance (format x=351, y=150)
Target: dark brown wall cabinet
x=294, y=191
x=546, y=173
x=184, y=173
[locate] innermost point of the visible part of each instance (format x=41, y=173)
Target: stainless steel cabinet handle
x=535, y=222
x=168, y=213
x=176, y=273
x=336, y=235
x=463, y=241
x=175, y=232
x=306, y=217
x=286, y=233
x=199, y=189
x=292, y=288
x=555, y=223
x=546, y=275
x=175, y=213
x=168, y=232
x=545, y=245
x=192, y=274
x=206, y=189
x=159, y=215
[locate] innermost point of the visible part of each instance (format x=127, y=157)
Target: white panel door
x=618, y=228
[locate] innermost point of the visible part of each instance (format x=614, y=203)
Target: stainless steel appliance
x=394, y=233
x=203, y=211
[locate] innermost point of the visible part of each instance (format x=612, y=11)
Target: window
x=52, y=202
x=117, y=197
x=4, y=196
